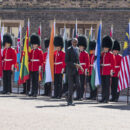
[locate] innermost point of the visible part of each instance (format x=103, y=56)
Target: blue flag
x=17, y=67
x=96, y=76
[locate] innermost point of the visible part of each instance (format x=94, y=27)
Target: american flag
x=124, y=76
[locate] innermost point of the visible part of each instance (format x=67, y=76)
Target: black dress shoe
x=59, y=97
x=111, y=100
x=106, y=101
x=35, y=95
x=116, y=100
x=22, y=92
x=94, y=98
x=102, y=101
x=44, y=94
x=54, y=96
x=30, y=94
x=89, y=98
x=8, y=93
x=70, y=104
x=4, y=92
x=77, y=99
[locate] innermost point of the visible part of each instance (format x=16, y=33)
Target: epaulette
x=86, y=52
x=13, y=48
x=110, y=52
x=68, y=47
x=119, y=54
x=63, y=51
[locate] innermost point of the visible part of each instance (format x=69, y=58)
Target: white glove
x=62, y=71
x=111, y=73
x=12, y=67
x=40, y=68
x=86, y=72
x=118, y=74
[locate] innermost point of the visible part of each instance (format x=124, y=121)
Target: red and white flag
x=124, y=76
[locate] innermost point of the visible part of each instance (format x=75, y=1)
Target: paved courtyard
x=19, y=112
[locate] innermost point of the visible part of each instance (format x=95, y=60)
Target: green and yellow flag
x=24, y=69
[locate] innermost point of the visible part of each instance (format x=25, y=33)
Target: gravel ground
x=18, y=112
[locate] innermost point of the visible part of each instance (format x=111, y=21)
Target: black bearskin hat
x=92, y=45
x=69, y=43
x=46, y=42
x=58, y=41
x=35, y=39
x=116, y=46
x=82, y=41
x=7, y=38
x=107, y=42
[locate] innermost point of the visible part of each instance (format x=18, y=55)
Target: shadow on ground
x=115, y=106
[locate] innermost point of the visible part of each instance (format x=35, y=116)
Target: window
x=83, y=28
x=67, y=32
x=93, y=33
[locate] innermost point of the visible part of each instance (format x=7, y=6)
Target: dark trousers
x=105, y=87
x=82, y=81
x=58, y=85
x=93, y=93
x=73, y=84
x=7, y=80
x=34, y=77
x=114, y=86
x=47, y=89
x=26, y=86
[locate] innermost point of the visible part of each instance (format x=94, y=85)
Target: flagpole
x=20, y=51
x=128, y=84
x=0, y=45
x=39, y=30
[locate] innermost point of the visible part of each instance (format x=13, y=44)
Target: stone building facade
x=87, y=12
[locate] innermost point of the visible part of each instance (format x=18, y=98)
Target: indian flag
x=96, y=77
x=49, y=67
x=24, y=69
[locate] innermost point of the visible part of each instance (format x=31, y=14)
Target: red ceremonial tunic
x=9, y=58
x=36, y=59
x=107, y=63
x=118, y=58
x=84, y=62
x=59, y=62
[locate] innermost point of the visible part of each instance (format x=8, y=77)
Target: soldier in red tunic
x=84, y=62
x=92, y=46
x=114, y=85
x=35, y=64
x=47, y=86
x=9, y=60
x=59, y=66
x=107, y=67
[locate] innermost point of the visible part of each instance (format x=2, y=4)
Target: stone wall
x=65, y=3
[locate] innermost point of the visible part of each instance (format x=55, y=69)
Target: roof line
x=66, y=9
